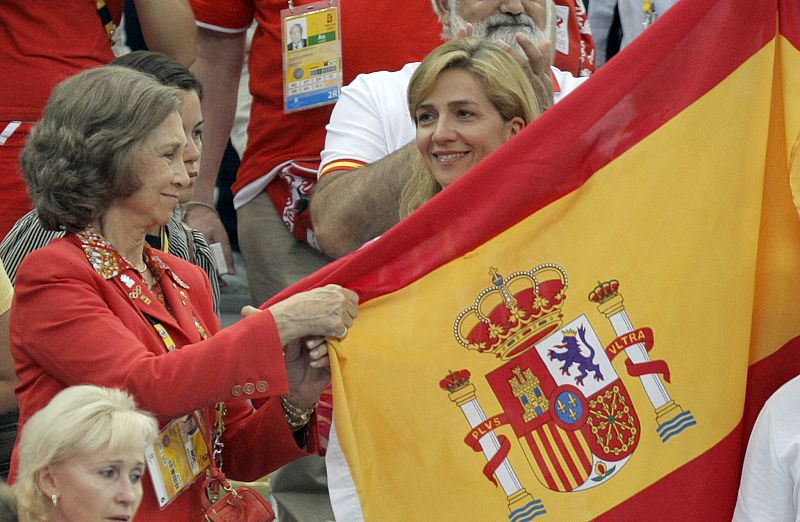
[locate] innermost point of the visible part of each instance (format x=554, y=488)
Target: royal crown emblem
x=515, y=312
x=558, y=388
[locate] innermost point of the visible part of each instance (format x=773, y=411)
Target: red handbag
x=240, y=504
x=220, y=501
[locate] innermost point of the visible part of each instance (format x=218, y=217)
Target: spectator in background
x=632, y=18
x=45, y=42
x=467, y=98
x=82, y=457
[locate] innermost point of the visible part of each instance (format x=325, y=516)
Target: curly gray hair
x=79, y=158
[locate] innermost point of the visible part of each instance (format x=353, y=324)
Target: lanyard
x=106, y=20
x=181, y=452
x=164, y=239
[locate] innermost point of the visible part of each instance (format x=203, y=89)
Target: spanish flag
x=586, y=325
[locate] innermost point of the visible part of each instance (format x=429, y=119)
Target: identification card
x=312, y=55
x=177, y=458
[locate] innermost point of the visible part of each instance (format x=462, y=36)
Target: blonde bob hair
x=503, y=81
x=79, y=158
x=78, y=420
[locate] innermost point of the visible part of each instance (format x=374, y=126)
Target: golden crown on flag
x=604, y=291
x=514, y=313
x=455, y=380
x=569, y=332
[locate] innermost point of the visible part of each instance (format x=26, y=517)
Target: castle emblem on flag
x=556, y=383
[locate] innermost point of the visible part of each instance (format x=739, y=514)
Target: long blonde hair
x=503, y=81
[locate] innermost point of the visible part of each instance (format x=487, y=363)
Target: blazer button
x=249, y=388
x=236, y=390
x=261, y=386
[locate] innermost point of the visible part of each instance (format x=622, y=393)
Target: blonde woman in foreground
x=82, y=457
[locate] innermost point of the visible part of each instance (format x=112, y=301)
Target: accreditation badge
x=177, y=457
x=312, y=55
x=562, y=29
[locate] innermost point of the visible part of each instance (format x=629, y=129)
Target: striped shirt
x=28, y=235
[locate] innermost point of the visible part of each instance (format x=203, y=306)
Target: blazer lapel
x=176, y=293
x=178, y=299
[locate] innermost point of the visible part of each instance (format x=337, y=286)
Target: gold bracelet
x=296, y=417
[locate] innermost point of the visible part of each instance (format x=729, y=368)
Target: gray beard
x=500, y=27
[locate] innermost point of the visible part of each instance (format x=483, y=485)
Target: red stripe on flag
x=577, y=476
x=582, y=456
x=669, y=67
x=684, y=494
x=549, y=480
x=551, y=454
x=790, y=20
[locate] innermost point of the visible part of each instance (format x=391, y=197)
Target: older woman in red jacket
x=101, y=307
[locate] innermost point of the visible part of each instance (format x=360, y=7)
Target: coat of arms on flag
x=557, y=385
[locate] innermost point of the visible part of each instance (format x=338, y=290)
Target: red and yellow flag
x=586, y=325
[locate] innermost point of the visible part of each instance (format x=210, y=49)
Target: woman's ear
x=46, y=480
x=515, y=125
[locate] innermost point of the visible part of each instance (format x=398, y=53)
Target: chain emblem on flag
x=557, y=386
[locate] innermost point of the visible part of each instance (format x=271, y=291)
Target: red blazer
x=77, y=318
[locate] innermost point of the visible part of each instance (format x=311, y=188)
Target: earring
x=54, y=499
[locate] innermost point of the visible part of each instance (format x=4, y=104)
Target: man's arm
x=168, y=27
x=370, y=126
x=350, y=207
x=218, y=67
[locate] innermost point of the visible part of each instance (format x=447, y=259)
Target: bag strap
x=215, y=485
x=216, y=438
x=215, y=478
